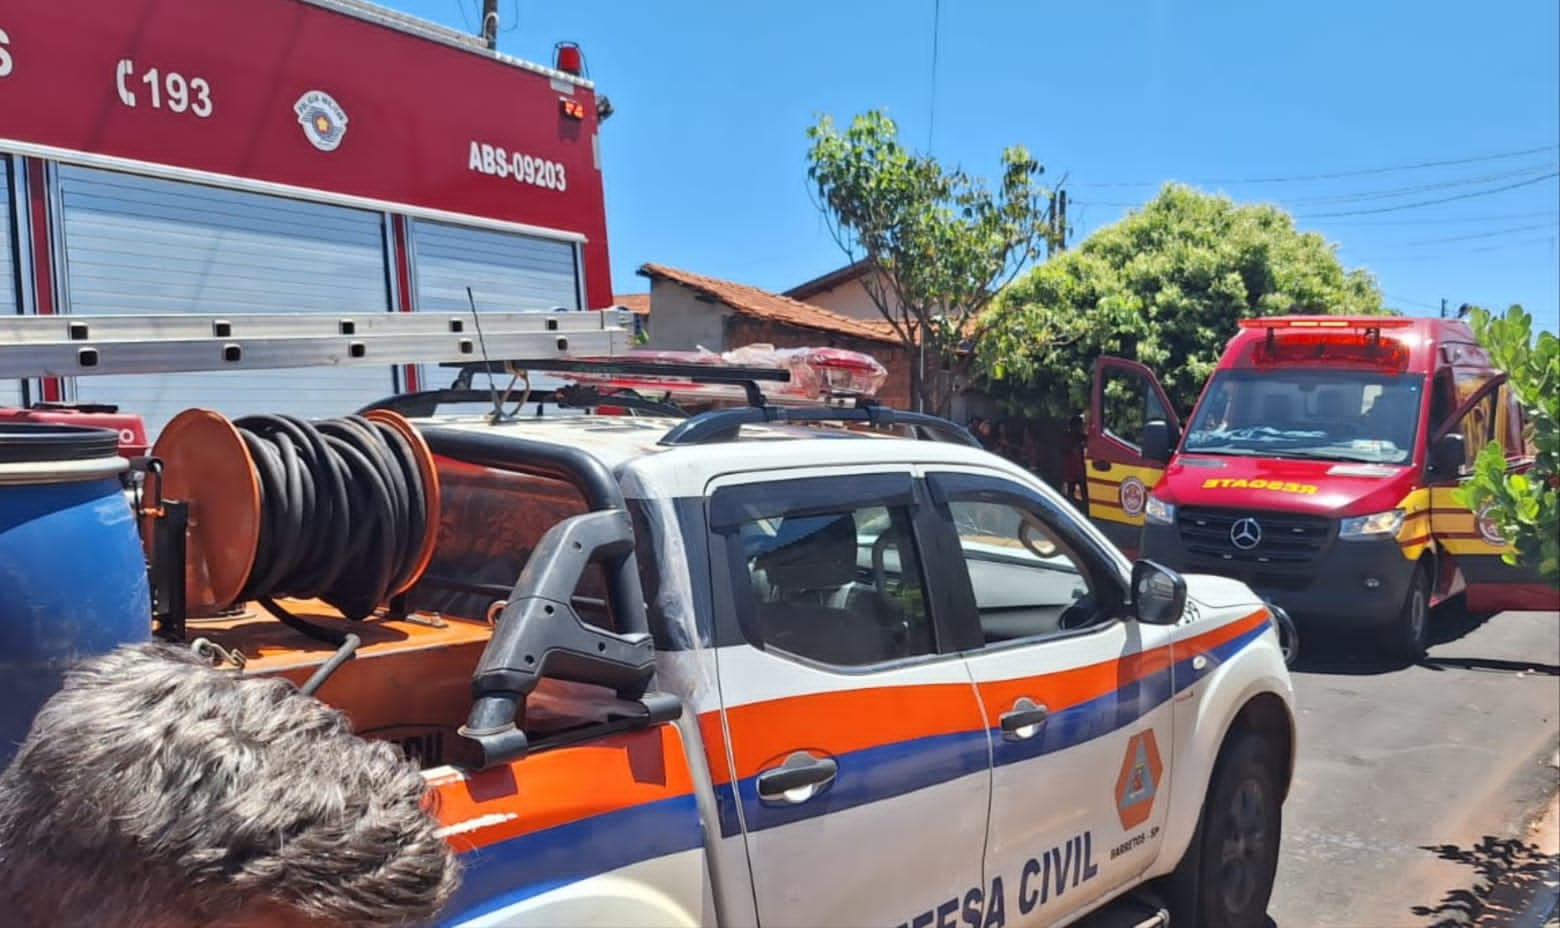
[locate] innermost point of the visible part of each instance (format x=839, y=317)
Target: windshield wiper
x=1345, y=456
x=1225, y=451
x=1249, y=452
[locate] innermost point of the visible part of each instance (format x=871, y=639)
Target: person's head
x=1075, y=424
x=156, y=791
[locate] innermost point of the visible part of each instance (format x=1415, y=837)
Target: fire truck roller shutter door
x=135, y=244
x=506, y=271
x=10, y=281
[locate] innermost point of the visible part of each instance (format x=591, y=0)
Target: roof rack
x=74, y=346
x=719, y=425
x=425, y=403
x=745, y=377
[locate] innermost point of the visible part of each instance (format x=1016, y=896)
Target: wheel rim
x=1286, y=641
x=1244, y=847
x=1418, y=610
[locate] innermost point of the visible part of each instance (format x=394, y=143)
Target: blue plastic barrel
x=72, y=575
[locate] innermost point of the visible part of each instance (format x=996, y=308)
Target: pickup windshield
x=1323, y=414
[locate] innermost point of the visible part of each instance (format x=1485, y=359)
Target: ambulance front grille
x=1282, y=538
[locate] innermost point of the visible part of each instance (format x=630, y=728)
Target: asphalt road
x=1416, y=784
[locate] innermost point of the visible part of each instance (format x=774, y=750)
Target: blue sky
x=705, y=156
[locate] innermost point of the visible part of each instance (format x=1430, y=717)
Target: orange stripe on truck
x=560, y=786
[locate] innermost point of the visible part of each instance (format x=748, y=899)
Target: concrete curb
x=1534, y=900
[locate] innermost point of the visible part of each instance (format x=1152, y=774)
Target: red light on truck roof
x=1331, y=322
x=817, y=374
x=1325, y=347
x=568, y=59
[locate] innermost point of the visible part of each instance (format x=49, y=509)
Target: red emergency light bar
x=816, y=374
x=1330, y=347
x=1329, y=322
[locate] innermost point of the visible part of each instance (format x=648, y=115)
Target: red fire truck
x=179, y=156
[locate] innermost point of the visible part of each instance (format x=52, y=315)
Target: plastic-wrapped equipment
x=817, y=374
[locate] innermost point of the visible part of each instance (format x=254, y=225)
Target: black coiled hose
x=343, y=512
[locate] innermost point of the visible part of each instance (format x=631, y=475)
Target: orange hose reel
x=207, y=463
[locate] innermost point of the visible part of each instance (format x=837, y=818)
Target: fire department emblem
x=1489, y=529
x=1138, y=782
x=324, y=121
x=1134, y=495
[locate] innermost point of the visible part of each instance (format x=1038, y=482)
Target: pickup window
x=842, y=587
x=1025, y=581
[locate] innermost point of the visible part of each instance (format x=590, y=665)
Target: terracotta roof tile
x=637, y=303
x=761, y=304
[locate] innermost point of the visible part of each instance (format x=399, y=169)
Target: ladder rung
x=16, y=329
x=71, y=346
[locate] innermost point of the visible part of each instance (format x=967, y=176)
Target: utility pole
x=1061, y=223
x=1050, y=226
x=1056, y=223
x=1443, y=307
x=490, y=23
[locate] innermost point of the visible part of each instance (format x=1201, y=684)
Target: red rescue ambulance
x=1318, y=466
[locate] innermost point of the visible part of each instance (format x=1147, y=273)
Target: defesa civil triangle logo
x=324, y=121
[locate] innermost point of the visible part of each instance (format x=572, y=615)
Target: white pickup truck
x=852, y=679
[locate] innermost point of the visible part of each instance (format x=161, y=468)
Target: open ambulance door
x=1472, y=540
x=1126, y=397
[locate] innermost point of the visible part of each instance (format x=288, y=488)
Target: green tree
x=941, y=244
x=1526, y=506
x=1165, y=286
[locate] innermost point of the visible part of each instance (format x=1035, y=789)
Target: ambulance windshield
x=1334, y=415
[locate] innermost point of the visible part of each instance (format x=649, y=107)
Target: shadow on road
x=1344, y=654
x=1491, y=664
x=1519, y=869
x=1452, y=621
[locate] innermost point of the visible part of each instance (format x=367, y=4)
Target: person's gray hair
x=155, y=789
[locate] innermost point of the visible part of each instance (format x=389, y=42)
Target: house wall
x=848, y=299
x=745, y=330
x=681, y=321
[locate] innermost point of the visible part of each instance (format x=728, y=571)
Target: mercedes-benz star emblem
x=1246, y=534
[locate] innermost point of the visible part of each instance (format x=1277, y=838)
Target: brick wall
x=745, y=330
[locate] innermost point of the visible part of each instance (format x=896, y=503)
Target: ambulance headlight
x=1375, y=525
x=1158, y=512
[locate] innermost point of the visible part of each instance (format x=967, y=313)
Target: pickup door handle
x=798, y=779
x=1101, y=465
x=1023, y=721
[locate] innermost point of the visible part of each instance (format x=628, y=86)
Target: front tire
x=1226, y=878
x=1288, y=637
x=1409, y=635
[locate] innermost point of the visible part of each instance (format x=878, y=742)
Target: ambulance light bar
x=1330, y=347
x=1327, y=322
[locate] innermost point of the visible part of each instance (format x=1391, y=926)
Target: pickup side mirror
x=1158, y=441
x=1158, y=594
x=1448, y=454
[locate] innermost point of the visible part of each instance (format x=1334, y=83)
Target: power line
x=1463, y=220
x=931, y=115
x=1391, y=192
x=1387, y=193
x=1422, y=203
x=1339, y=174
x=1542, y=240
x=1443, y=256
x=1497, y=233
